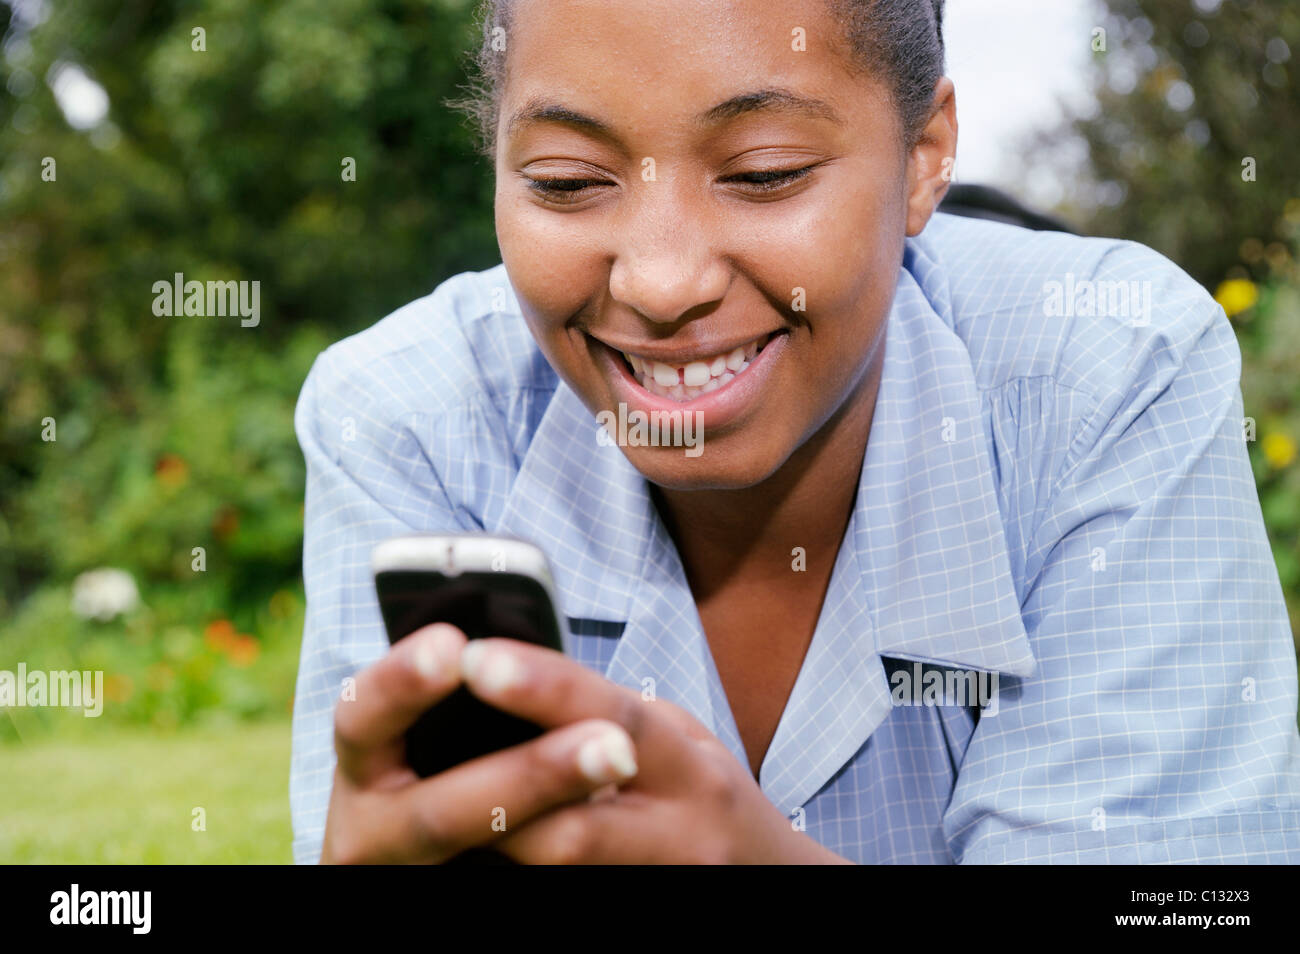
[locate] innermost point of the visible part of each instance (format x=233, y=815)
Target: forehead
x=680, y=63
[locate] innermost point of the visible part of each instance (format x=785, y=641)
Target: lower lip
x=719, y=407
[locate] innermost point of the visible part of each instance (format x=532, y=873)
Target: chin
x=715, y=469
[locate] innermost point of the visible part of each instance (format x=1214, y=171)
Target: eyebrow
x=775, y=99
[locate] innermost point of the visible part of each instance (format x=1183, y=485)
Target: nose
x=668, y=265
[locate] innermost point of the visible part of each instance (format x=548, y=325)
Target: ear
x=930, y=164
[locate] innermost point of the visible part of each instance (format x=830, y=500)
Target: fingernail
x=448, y=642
x=437, y=655
x=489, y=669
x=427, y=663
x=607, y=757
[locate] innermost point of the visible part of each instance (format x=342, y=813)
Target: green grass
x=127, y=797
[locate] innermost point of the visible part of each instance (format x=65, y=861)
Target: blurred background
x=158, y=536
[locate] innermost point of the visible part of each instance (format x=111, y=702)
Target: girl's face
x=680, y=182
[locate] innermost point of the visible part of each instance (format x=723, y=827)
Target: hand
x=691, y=800
x=380, y=811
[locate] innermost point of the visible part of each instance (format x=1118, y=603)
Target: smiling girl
x=910, y=471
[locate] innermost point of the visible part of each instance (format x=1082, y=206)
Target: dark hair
x=900, y=41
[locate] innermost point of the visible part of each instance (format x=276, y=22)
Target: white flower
x=103, y=594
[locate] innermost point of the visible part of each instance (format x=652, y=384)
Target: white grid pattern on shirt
x=1074, y=434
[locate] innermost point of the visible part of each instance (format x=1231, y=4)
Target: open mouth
x=685, y=382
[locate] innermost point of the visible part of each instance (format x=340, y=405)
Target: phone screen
x=480, y=604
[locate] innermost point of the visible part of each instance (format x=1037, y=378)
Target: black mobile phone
x=485, y=586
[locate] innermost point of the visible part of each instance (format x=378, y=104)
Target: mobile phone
x=485, y=585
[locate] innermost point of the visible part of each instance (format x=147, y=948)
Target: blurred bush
x=221, y=164
x=1190, y=141
x=1267, y=319
x=1190, y=149
x=200, y=501
x=225, y=162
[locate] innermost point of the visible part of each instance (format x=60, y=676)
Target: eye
x=561, y=191
x=770, y=180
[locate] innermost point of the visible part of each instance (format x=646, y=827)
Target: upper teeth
x=686, y=381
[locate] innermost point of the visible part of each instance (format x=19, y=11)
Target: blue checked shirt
x=1057, y=497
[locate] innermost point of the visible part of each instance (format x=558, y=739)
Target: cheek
x=846, y=257
x=848, y=327
x=833, y=241
x=832, y=265
x=553, y=267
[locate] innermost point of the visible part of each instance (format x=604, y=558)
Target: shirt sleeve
x=1160, y=723
x=367, y=479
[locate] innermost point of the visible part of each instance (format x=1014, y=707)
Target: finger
x=388, y=696
x=605, y=832
x=481, y=800
x=550, y=689
x=682, y=720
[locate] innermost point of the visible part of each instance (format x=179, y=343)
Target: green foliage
x=1184, y=98
x=174, y=661
x=1269, y=333
x=213, y=465
x=176, y=433
x=223, y=164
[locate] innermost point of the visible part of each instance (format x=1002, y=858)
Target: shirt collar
x=923, y=572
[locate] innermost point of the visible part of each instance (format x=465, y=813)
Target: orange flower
x=171, y=470
x=244, y=651
x=220, y=635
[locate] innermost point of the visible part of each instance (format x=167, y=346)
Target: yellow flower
x=1279, y=449
x=1236, y=295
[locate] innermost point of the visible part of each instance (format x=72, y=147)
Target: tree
x=1191, y=146
x=303, y=144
